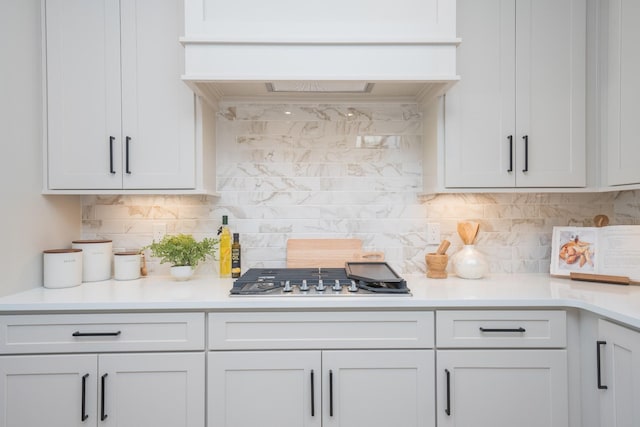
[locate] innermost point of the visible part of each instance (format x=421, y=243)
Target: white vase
x=181, y=273
x=469, y=263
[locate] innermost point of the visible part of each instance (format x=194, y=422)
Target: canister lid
x=61, y=251
x=127, y=253
x=91, y=241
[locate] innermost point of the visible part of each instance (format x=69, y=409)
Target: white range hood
x=361, y=49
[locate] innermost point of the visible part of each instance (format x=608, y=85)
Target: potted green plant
x=183, y=252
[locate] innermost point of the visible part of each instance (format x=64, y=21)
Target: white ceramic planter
x=182, y=273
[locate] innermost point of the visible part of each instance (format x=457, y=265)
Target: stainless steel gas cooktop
x=357, y=278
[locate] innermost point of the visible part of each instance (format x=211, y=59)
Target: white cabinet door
x=517, y=117
x=550, y=93
x=83, y=94
x=378, y=388
x=619, y=352
x=480, y=109
x=264, y=388
x=118, y=114
x=623, y=91
x=502, y=388
x=158, y=109
x=331, y=388
x=51, y=391
x=152, y=390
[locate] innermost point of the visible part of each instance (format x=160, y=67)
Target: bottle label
x=235, y=262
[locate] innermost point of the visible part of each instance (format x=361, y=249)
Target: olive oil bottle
x=236, y=256
x=225, y=248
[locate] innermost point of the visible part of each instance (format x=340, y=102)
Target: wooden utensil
x=468, y=232
x=329, y=253
x=442, y=249
x=601, y=220
x=143, y=266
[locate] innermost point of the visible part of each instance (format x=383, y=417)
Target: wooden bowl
x=437, y=265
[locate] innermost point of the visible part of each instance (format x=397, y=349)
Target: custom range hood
x=361, y=49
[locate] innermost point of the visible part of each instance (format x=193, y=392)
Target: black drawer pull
x=313, y=397
x=96, y=334
x=331, y=393
x=127, y=143
x=447, y=410
x=111, y=139
x=83, y=414
x=103, y=386
x=502, y=329
x=510, y=138
x=526, y=153
x=599, y=373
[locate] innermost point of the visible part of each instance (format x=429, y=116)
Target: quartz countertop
x=210, y=293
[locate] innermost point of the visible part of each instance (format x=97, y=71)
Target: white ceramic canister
x=62, y=268
x=96, y=259
x=126, y=265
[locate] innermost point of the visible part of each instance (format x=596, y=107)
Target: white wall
x=30, y=222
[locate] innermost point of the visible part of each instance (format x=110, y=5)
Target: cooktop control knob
x=353, y=287
x=337, y=286
x=320, y=286
x=304, y=286
x=287, y=286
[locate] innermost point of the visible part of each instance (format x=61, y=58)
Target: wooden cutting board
x=328, y=253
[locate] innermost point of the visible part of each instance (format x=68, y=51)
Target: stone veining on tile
x=345, y=171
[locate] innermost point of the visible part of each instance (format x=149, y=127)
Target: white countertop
x=621, y=303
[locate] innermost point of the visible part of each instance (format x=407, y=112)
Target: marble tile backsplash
x=336, y=171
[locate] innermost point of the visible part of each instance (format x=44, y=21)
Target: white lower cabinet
x=52, y=391
x=502, y=368
x=502, y=388
x=345, y=388
x=618, y=375
x=323, y=368
x=108, y=369
x=124, y=390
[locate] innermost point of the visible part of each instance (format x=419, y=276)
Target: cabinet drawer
x=326, y=330
x=73, y=333
x=501, y=329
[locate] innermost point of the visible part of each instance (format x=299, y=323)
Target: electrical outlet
x=159, y=230
x=433, y=233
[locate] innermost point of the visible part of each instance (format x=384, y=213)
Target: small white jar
x=96, y=259
x=126, y=265
x=62, y=268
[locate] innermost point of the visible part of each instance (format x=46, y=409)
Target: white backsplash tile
x=308, y=175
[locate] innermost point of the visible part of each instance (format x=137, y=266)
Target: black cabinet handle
x=83, y=414
x=313, y=397
x=510, y=138
x=96, y=334
x=331, y=393
x=447, y=410
x=599, y=373
x=111, y=140
x=526, y=153
x=128, y=141
x=103, y=383
x=521, y=329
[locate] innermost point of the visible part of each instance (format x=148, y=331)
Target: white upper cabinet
x=329, y=20
x=232, y=48
x=118, y=117
x=517, y=117
x=621, y=68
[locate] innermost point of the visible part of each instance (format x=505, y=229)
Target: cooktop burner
x=353, y=280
